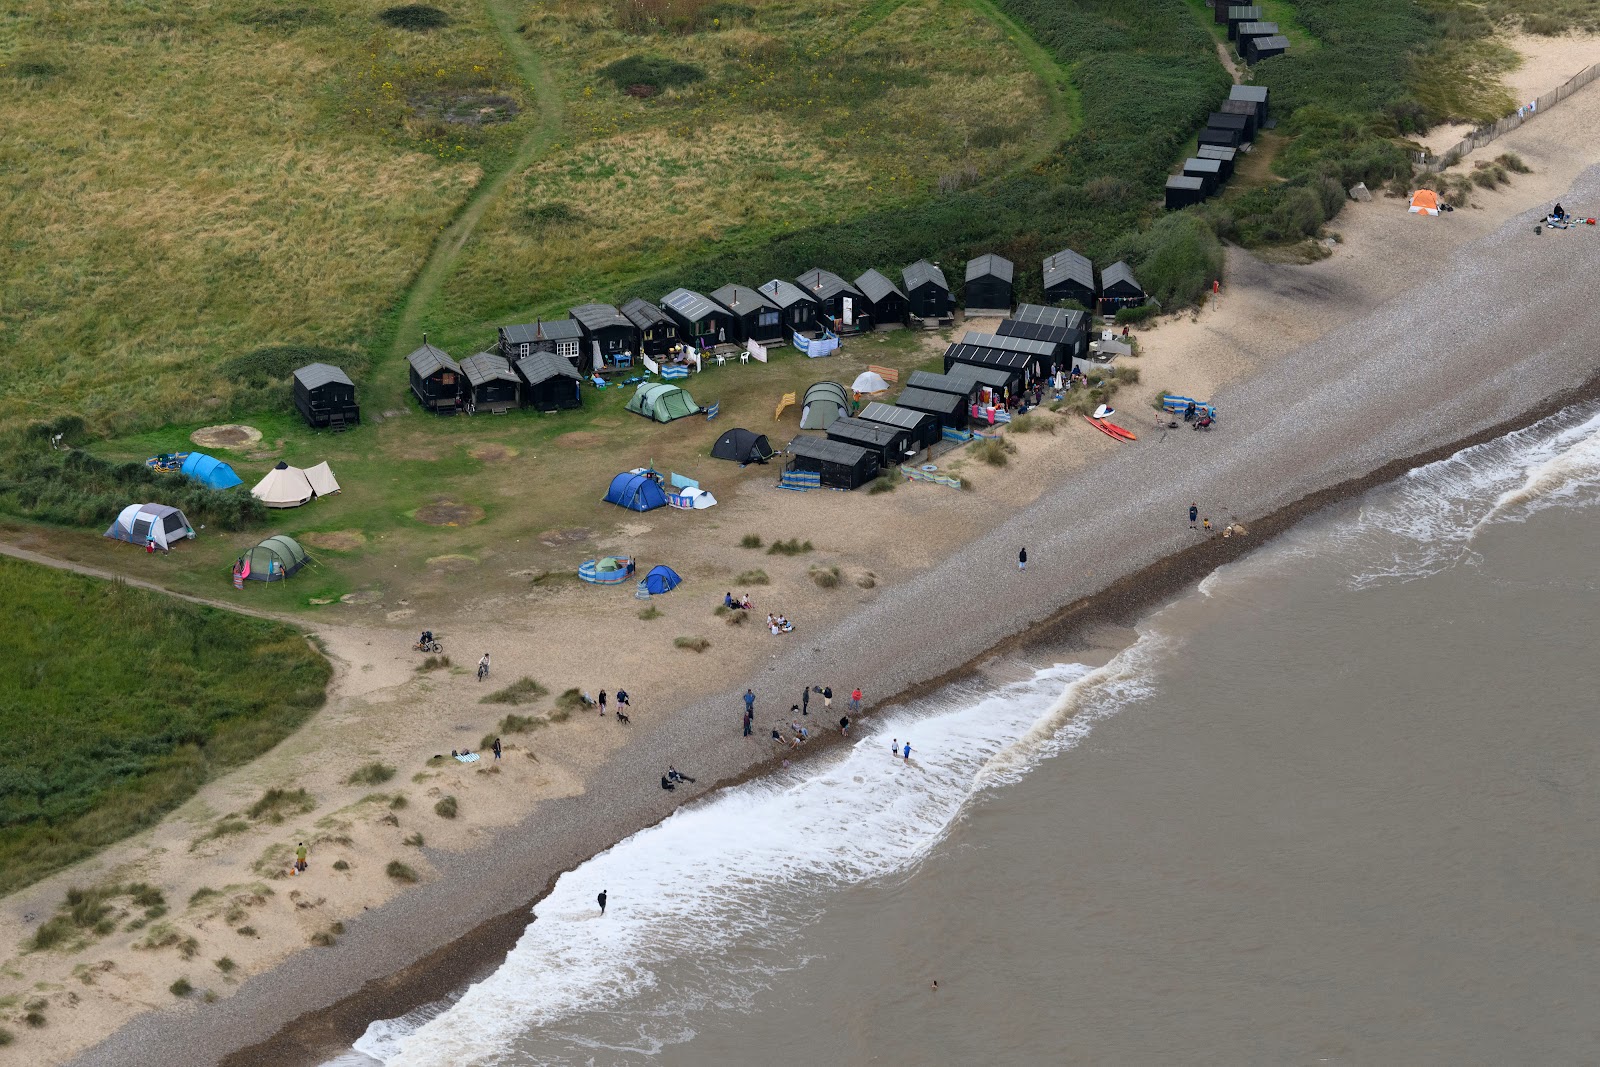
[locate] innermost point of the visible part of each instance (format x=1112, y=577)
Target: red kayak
x=1111, y=429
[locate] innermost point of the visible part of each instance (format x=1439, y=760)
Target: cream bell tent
x=284, y=487
x=323, y=483
x=139, y=523
x=1425, y=202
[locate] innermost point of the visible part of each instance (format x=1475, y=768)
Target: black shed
x=1245, y=109
x=1221, y=120
x=797, y=310
x=841, y=304
x=841, y=466
x=657, y=330
x=756, y=318
x=550, y=383
x=927, y=291
x=1248, y=30
x=1222, y=155
x=518, y=341
x=700, y=319
x=891, y=443
x=607, y=333
x=1258, y=48
x=435, y=379
x=935, y=382
x=949, y=408
x=1184, y=190
x=989, y=284
x=326, y=396
x=1208, y=171
x=975, y=378
x=1069, y=328
x=1034, y=359
x=1069, y=276
x=1119, y=288
x=491, y=384
x=885, y=301
x=1225, y=138
x=923, y=427
x=564, y=337
x=1240, y=14
x=1255, y=94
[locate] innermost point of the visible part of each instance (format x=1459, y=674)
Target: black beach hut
x=1255, y=94
x=1068, y=328
x=1208, y=171
x=840, y=466
x=518, y=341
x=435, y=379
x=550, y=383
x=1222, y=155
x=326, y=396
x=840, y=304
x=564, y=337
x=885, y=302
x=657, y=330
x=1240, y=14
x=1221, y=120
x=796, y=308
x=923, y=427
x=1211, y=135
x=927, y=291
x=699, y=319
x=491, y=383
x=989, y=284
x=1258, y=48
x=607, y=333
x=949, y=408
x=1069, y=276
x=1119, y=288
x=755, y=317
x=964, y=387
x=891, y=444
x=1246, y=110
x=1184, y=190
x=974, y=378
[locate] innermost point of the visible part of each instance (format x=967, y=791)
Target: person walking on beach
x=602, y=703
x=622, y=698
x=749, y=717
x=827, y=698
x=497, y=748
x=749, y=702
x=907, y=754
x=300, y=857
x=1194, y=513
x=1207, y=524
x=805, y=701
x=602, y=899
x=483, y=667
x=844, y=725
x=855, y=699
x=894, y=746
x=1022, y=560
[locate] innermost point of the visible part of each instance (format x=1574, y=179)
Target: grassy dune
x=117, y=704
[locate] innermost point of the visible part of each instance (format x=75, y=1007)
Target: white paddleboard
x=1104, y=410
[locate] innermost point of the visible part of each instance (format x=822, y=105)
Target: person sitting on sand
x=668, y=786
x=800, y=731
x=785, y=625
x=728, y=601
x=747, y=604
x=675, y=775
x=776, y=736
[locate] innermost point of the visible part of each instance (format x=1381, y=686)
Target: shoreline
x=312, y=1038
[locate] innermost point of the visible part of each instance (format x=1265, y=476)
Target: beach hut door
x=849, y=311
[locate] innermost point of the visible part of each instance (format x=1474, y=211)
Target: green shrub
x=570, y=700
x=33, y=67
x=750, y=541
x=323, y=939
x=181, y=988
x=519, y=724
x=522, y=691
x=654, y=73
x=246, y=931
x=416, y=17
x=693, y=644
x=1032, y=424
x=374, y=773
x=792, y=547
x=341, y=865
x=445, y=808
x=755, y=577
x=434, y=663
x=276, y=805
x=398, y=803
x=737, y=618
x=1133, y=316
x=413, y=840
x=1512, y=162
x=77, y=488
x=886, y=483
x=1176, y=260
x=650, y=613
x=996, y=452
x=400, y=872
x=6, y=1037
x=202, y=894
x=226, y=965
x=825, y=577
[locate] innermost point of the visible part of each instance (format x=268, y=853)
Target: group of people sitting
x=779, y=625
x=737, y=604
x=673, y=779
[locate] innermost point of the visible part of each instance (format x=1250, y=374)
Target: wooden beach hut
x=700, y=319
x=564, y=337
x=1221, y=120
x=1119, y=289
x=1238, y=14
x=1209, y=171
x=926, y=291
x=838, y=465
x=491, y=384
x=839, y=303
x=1066, y=327
x=1225, y=156
x=938, y=382
x=607, y=334
x=517, y=341
x=1255, y=94
x=657, y=330
x=891, y=444
x=1185, y=190
x=754, y=316
x=1002, y=382
x=550, y=383
x=1257, y=49
x=1244, y=109
x=922, y=426
x=435, y=379
x=989, y=285
x=1211, y=135
x=886, y=303
x=797, y=310
x=1069, y=276
x=949, y=408
x=325, y=396
x=1034, y=359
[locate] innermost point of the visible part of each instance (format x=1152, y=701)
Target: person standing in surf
x=1194, y=515
x=907, y=754
x=602, y=901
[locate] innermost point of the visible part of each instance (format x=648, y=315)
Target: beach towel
x=470, y=757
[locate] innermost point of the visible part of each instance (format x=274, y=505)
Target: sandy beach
x=1412, y=335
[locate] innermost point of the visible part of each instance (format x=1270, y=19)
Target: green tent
x=825, y=404
x=273, y=560
x=662, y=402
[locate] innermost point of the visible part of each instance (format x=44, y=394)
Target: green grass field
x=118, y=703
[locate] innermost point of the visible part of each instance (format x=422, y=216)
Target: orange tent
x=1425, y=202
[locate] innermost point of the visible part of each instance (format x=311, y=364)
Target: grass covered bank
x=117, y=704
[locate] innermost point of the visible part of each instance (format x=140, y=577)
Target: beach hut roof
x=876, y=287
x=1197, y=165
x=485, y=367
x=313, y=375
x=1067, y=266
x=921, y=273
x=428, y=360
x=543, y=366
x=644, y=314
x=786, y=294
x=741, y=299
x=1278, y=43
x=524, y=333
x=822, y=284
x=990, y=265
x=888, y=414
x=1069, y=318
x=827, y=451
x=1011, y=344
x=929, y=400
x=1038, y=331
x=594, y=317
x=994, y=377
x=691, y=305
x=560, y=330
x=939, y=383
x=1216, y=151
x=1254, y=93
x=1119, y=272
x=962, y=352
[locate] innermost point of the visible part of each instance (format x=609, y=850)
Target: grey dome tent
x=742, y=446
x=138, y=523
x=662, y=402
x=278, y=557
x=824, y=403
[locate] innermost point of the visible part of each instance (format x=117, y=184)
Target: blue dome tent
x=662, y=579
x=210, y=471
x=636, y=492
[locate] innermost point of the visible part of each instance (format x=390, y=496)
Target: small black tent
x=742, y=446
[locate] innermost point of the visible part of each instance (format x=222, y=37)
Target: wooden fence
x=1478, y=138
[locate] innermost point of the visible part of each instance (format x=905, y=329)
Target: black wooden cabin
x=797, y=309
x=886, y=303
x=1068, y=328
x=890, y=443
x=700, y=319
x=491, y=384
x=549, y=383
x=989, y=284
x=1069, y=276
x=840, y=466
x=1222, y=155
x=1258, y=48
x=607, y=333
x=840, y=305
x=926, y=291
x=326, y=396
x=435, y=380
x=755, y=318
x=949, y=408
x=1255, y=94
x=1119, y=289
x=658, y=332
x=923, y=427
x=1208, y=171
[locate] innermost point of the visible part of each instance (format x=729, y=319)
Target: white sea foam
x=704, y=907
